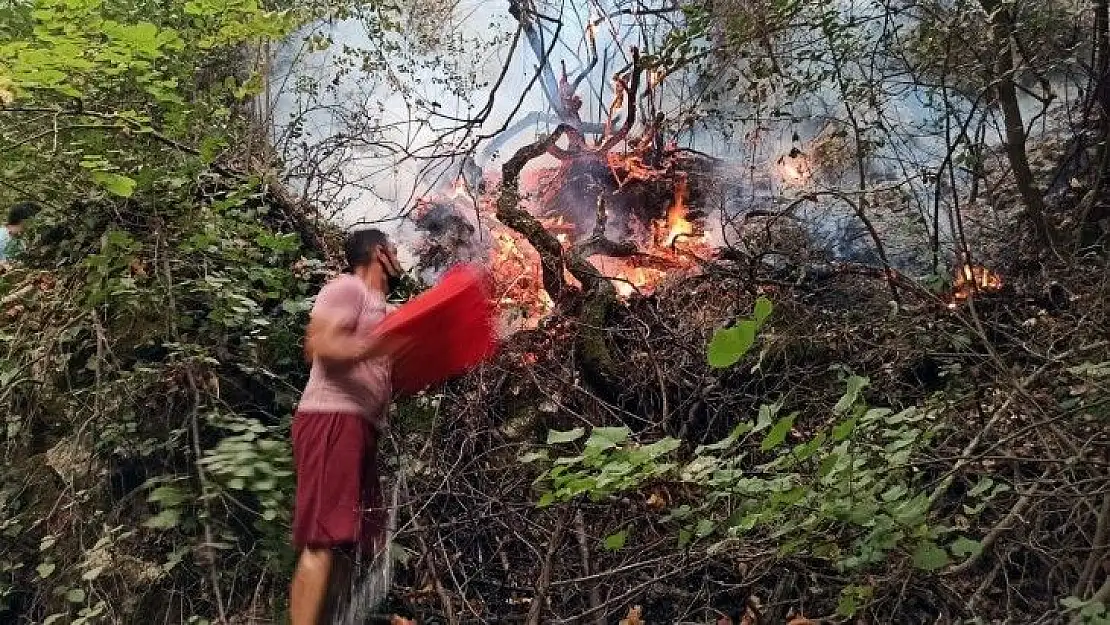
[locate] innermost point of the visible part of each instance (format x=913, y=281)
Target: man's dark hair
x=22, y=212
x=360, y=245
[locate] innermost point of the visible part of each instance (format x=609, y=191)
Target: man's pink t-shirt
x=364, y=388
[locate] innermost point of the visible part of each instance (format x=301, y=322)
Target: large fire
x=671, y=245
x=664, y=247
x=624, y=201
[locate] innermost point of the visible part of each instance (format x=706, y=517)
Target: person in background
x=338, y=510
x=13, y=228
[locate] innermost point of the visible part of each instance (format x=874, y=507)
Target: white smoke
x=399, y=98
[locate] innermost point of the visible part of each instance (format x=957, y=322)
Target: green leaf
x=1072, y=603
x=210, y=148
x=894, y=492
x=705, y=527
x=843, y=429
x=729, y=345
x=851, y=395
x=114, y=183
x=912, y=511
x=533, y=456
x=616, y=541
x=1094, y=613
x=846, y=605
x=980, y=488
x=963, y=547
x=728, y=441
x=555, y=437
x=828, y=463
x=295, y=306
x=168, y=496
x=607, y=438
x=660, y=447
x=778, y=433
x=767, y=414
x=546, y=500
x=929, y=557
x=75, y=595
x=763, y=308
x=850, y=598
x=165, y=519
x=45, y=569
x=806, y=450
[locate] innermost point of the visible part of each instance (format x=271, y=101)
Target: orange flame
x=794, y=170
x=667, y=245
x=677, y=224
x=970, y=280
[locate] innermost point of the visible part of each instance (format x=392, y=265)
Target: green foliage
x=851, y=598
x=1090, y=612
x=123, y=85
x=256, y=463
x=90, y=48
x=729, y=345
x=845, y=488
x=155, y=353
x=184, y=339
x=615, y=542
x=607, y=464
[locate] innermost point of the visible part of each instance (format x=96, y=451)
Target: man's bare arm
x=331, y=342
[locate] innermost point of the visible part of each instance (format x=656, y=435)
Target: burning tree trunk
x=512, y=215
x=599, y=294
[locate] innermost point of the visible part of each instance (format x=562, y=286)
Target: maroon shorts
x=338, y=495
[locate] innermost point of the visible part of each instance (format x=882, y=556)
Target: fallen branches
x=543, y=582
x=1036, y=539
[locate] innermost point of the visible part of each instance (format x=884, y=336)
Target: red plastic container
x=451, y=328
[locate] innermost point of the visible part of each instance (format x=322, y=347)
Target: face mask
x=393, y=283
x=393, y=273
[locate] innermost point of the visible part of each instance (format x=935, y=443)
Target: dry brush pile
x=1012, y=459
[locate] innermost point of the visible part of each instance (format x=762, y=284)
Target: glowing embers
x=794, y=169
x=971, y=280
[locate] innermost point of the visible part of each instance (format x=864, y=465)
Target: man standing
x=13, y=228
x=338, y=509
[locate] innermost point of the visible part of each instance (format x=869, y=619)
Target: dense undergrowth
x=153, y=358
x=151, y=328
x=895, y=465
x=844, y=457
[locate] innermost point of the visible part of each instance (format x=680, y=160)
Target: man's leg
x=339, y=584
x=310, y=586
x=327, y=450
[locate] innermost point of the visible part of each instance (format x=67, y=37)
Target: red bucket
x=450, y=329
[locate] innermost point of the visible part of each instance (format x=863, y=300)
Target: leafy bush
x=152, y=325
